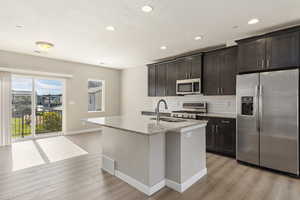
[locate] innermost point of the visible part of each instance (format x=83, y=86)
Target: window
x=96, y=95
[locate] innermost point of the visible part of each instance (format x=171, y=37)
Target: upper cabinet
x=274, y=51
x=282, y=51
x=211, y=73
x=161, y=81
x=219, y=72
x=251, y=55
x=189, y=67
x=152, y=80
x=171, y=78
x=162, y=77
x=195, y=66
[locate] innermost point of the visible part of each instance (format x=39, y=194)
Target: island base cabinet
x=137, y=159
x=183, y=165
x=175, y=159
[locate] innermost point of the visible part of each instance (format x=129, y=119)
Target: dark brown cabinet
x=251, y=55
x=219, y=72
x=210, y=135
x=161, y=81
x=183, y=68
x=211, y=74
x=195, y=66
x=273, y=51
x=172, y=71
x=221, y=135
x=227, y=74
x=282, y=51
x=162, y=77
x=152, y=80
x=189, y=67
x=226, y=136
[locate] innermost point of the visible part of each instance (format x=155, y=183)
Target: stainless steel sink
x=169, y=119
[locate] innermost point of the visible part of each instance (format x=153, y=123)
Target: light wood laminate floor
x=80, y=178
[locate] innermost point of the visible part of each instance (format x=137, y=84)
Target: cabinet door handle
x=218, y=90
x=263, y=63
x=221, y=90
x=225, y=121
x=268, y=63
x=217, y=129
x=212, y=129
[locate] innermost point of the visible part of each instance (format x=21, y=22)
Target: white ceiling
x=77, y=27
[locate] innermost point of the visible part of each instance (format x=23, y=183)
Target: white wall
x=134, y=97
x=77, y=88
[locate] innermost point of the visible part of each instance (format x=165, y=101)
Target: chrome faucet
x=157, y=108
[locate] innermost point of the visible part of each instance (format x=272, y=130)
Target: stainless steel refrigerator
x=267, y=120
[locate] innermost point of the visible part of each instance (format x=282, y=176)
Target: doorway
x=37, y=107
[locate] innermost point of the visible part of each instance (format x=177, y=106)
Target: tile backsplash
x=216, y=104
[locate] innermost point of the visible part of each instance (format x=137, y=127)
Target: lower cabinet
x=221, y=135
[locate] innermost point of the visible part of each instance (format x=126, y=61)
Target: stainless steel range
x=190, y=110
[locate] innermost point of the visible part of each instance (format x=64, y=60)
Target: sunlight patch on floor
x=24, y=155
x=59, y=148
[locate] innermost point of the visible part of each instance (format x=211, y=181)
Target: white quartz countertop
x=143, y=124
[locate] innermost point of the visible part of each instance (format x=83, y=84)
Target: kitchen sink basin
x=169, y=119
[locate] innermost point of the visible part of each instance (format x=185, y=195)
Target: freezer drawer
x=279, y=120
x=247, y=131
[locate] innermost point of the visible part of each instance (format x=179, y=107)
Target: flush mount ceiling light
x=44, y=45
x=19, y=26
x=198, y=38
x=110, y=28
x=253, y=21
x=163, y=47
x=147, y=8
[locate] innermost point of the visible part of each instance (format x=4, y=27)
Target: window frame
x=103, y=95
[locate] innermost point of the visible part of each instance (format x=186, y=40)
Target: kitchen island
x=150, y=155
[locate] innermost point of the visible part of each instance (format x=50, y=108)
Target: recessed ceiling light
x=19, y=26
x=44, y=45
x=235, y=27
x=147, y=8
x=110, y=28
x=253, y=21
x=163, y=47
x=198, y=38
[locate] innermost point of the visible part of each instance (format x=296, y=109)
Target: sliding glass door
x=22, y=99
x=38, y=107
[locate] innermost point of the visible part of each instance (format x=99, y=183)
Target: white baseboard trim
x=108, y=164
x=138, y=185
x=188, y=183
x=83, y=131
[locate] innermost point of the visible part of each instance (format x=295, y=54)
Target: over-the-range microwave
x=188, y=86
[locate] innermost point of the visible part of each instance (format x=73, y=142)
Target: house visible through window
x=96, y=95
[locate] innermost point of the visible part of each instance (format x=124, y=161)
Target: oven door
x=184, y=87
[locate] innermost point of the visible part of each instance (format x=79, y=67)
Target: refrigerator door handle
x=257, y=108
x=260, y=106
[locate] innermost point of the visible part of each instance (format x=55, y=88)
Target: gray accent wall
x=76, y=87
